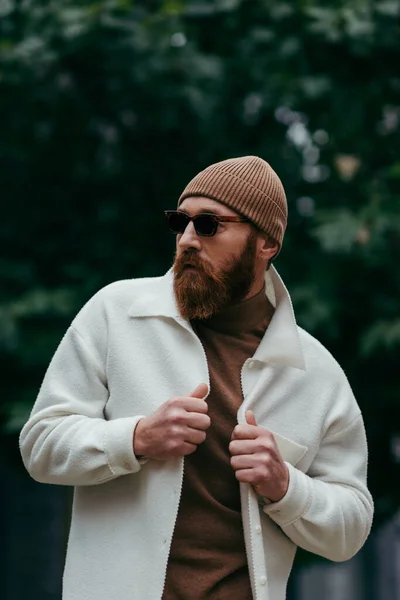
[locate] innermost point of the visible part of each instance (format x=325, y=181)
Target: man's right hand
x=175, y=429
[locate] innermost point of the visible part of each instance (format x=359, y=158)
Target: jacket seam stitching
x=301, y=515
x=342, y=431
x=88, y=349
x=106, y=453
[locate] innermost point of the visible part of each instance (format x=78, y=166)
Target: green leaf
x=338, y=230
x=381, y=335
x=388, y=8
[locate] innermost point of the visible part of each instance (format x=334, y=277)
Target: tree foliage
x=110, y=107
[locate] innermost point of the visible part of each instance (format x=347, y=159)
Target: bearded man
x=206, y=434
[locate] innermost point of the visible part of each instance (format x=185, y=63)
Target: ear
x=267, y=248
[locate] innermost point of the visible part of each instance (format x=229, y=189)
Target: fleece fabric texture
x=128, y=351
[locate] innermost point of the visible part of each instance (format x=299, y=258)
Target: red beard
x=204, y=292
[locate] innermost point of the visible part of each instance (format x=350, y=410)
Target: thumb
x=250, y=418
x=199, y=392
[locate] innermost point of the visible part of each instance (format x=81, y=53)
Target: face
x=212, y=272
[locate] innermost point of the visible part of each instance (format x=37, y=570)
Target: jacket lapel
x=156, y=299
x=281, y=343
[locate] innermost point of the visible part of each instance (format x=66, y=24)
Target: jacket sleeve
x=329, y=510
x=67, y=439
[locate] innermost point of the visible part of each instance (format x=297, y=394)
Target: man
x=206, y=435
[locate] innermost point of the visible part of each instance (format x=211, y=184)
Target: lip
x=190, y=269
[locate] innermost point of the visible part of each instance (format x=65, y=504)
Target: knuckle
x=175, y=432
x=270, y=443
x=177, y=416
x=266, y=457
x=171, y=445
x=264, y=446
x=175, y=402
x=265, y=469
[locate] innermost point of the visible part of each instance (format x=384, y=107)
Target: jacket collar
x=281, y=342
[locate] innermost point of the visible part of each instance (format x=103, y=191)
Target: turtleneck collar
x=240, y=317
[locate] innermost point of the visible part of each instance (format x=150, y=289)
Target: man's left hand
x=256, y=459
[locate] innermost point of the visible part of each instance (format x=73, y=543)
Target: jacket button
x=263, y=580
x=258, y=529
x=251, y=364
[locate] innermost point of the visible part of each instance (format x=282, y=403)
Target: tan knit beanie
x=248, y=185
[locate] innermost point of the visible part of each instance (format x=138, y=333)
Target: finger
x=243, y=461
x=188, y=448
x=245, y=475
x=250, y=418
x=245, y=432
x=195, y=436
x=194, y=405
x=237, y=447
x=199, y=392
x=198, y=421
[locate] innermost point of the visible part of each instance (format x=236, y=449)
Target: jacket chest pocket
x=291, y=451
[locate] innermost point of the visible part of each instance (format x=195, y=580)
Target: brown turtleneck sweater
x=208, y=559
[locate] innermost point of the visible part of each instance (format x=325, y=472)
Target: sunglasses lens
x=205, y=225
x=177, y=222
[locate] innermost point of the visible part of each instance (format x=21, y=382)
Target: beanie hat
x=249, y=186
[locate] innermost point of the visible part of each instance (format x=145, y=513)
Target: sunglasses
x=205, y=224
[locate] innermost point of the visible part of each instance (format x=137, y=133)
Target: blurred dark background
x=107, y=109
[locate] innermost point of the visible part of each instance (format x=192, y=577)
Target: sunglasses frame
x=217, y=219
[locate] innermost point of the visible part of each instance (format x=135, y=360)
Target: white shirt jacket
x=127, y=352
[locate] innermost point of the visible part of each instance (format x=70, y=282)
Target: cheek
x=214, y=258
x=177, y=238
x=226, y=255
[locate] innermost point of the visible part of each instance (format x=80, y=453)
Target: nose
x=188, y=239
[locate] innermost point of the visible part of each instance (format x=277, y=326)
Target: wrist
x=139, y=448
x=277, y=492
x=283, y=488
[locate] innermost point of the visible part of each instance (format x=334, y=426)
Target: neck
x=256, y=286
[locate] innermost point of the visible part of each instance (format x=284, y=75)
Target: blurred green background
x=109, y=108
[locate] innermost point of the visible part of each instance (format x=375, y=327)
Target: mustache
x=190, y=258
